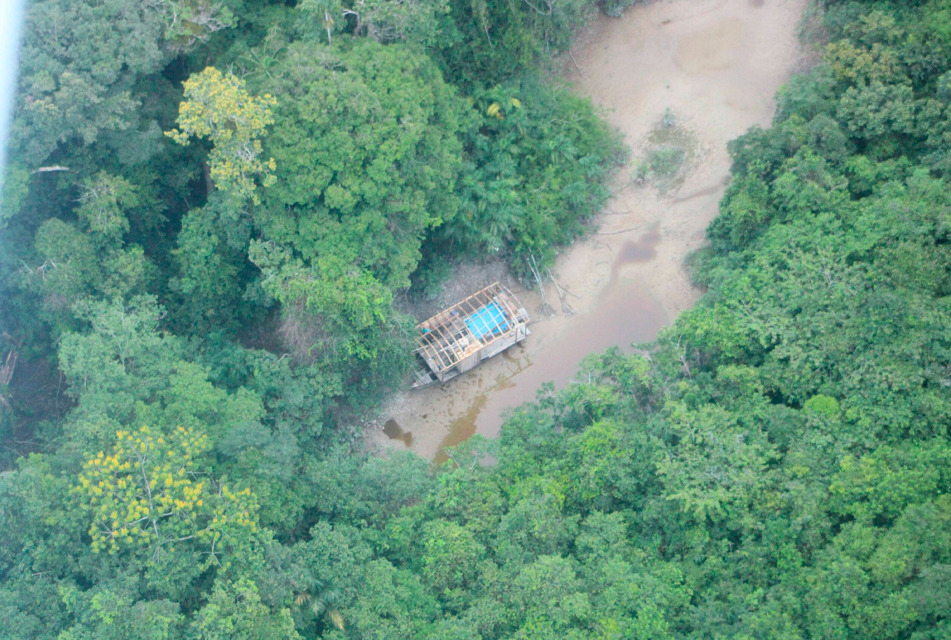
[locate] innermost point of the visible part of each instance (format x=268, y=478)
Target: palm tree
x=320, y=598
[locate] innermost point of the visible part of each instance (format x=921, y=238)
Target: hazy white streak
x=11, y=28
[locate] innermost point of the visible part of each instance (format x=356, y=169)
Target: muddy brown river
x=713, y=67
x=625, y=313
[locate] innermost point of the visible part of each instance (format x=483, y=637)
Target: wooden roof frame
x=434, y=343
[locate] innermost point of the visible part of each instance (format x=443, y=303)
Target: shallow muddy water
x=393, y=431
x=644, y=249
x=626, y=314
x=714, y=65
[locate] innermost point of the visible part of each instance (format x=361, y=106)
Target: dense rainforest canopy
x=211, y=210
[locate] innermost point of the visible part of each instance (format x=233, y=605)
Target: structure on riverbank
x=457, y=339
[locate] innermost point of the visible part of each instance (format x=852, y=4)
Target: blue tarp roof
x=487, y=320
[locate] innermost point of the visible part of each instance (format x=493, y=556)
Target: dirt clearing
x=708, y=68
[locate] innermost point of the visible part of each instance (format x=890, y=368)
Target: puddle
x=394, y=431
x=461, y=429
x=465, y=426
x=637, y=251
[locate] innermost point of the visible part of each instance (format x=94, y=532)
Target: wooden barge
x=457, y=339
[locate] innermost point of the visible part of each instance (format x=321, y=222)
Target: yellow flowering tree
x=219, y=108
x=148, y=492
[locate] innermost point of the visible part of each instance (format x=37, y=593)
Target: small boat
x=457, y=339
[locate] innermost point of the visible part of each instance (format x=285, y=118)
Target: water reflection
x=394, y=431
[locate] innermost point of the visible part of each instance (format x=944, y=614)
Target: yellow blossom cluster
x=219, y=108
x=495, y=109
x=235, y=510
x=148, y=490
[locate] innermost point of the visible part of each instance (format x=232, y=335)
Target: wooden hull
x=425, y=377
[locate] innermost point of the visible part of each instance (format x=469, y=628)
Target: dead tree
x=562, y=295
x=545, y=309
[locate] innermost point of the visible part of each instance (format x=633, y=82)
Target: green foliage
x=450, y=557
x=235, y=611
x=70, y=262
x=774, y=465
x=15, y=185
x=541, y=158
x=112, y=615
x=210, y=258
x=498, y=40
x=70, y=269
x=188, y=22
x=104, y=201
x=615, y=8
x=79, y=65
x=368, y=156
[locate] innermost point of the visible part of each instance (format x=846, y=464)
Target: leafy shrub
x=540, y=158
x=615, y=8
x=669, y=152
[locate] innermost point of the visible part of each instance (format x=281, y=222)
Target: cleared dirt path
x=716, y=65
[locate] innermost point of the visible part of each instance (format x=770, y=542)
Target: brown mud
x=716, y=65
